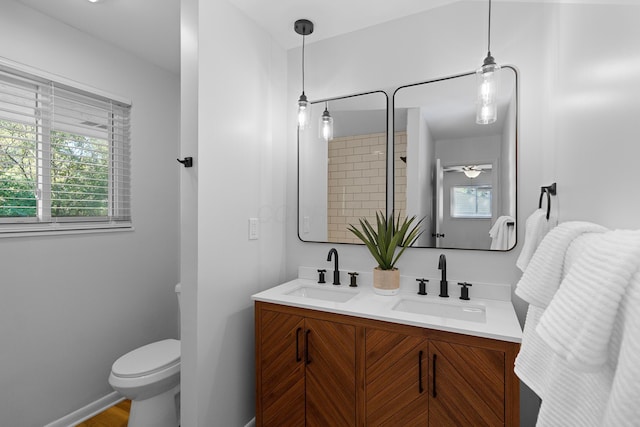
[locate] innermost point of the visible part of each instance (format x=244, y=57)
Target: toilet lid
x=148, y=359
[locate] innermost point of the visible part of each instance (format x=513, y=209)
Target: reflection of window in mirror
x=471, y=201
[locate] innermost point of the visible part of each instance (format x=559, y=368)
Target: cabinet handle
x=298, y=357
x=306, y=347
x=434, y=376
x=420, y=387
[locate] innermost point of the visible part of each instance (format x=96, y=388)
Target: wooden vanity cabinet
x=365, y=372
x=396, y=389
x=466, y=385
x=305, y=370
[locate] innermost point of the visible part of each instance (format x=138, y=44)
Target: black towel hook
x=187, y=162
x=550, y=190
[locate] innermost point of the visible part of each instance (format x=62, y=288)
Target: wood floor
x=116, y=416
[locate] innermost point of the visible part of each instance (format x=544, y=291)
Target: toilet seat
x=148, y=360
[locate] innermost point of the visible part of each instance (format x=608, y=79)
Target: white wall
x=579, y=97
x=241, y=89
x=596, y=104
x=71, y=305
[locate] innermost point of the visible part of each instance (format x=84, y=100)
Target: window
x=64, y=157
x=471, y=201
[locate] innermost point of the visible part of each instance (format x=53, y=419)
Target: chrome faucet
x=336, y=270
x=444, y=286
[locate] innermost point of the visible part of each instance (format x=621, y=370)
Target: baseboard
x=88, y=411
x=251, y=423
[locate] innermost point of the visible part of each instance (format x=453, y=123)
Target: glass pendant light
x=487, y=83
x=325, y=130
x=304, y=27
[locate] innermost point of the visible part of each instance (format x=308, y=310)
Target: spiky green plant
x=390, y=234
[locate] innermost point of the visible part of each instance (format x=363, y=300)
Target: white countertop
x=501, y=322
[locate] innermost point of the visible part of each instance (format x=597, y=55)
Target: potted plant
x=383, y=242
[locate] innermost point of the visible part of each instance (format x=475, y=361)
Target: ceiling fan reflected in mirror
x=471, y=171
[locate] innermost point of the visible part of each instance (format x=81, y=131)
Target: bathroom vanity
x=341, y=356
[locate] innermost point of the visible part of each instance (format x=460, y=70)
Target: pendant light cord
x=303, y=37
x=489, y=32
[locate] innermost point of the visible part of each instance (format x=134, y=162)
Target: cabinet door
x=396, y=390
x=466, y=385
x=282, y=369
x=330, y=359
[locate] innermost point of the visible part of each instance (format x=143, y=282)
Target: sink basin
x=470, y=313
x=335, y=295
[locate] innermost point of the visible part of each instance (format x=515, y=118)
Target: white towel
x=550, y=376
x=608, y=396
x=541, y=279
x=537, y=286
x=535, y=228
x=535, y=356
x=623, y=405
x=503, y=236
x=579, y=321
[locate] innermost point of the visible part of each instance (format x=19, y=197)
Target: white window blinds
x=64, y=156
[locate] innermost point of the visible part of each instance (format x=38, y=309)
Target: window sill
x=63, y=229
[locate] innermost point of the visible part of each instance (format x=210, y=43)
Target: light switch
x=253, y=229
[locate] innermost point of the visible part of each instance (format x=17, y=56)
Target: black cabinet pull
x=307, y=359
x=298, y=357
x=434, y=376
x=420, y=387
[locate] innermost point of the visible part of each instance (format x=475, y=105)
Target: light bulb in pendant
x=325, y=129
x=303, y=112
x=487, y=99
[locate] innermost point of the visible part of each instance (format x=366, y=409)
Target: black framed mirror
x=344, y=177
x=458, y=175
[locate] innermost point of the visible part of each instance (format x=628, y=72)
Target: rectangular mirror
x=458, y=175
x=343, y=178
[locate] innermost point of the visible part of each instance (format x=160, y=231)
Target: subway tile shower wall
x=357, y=182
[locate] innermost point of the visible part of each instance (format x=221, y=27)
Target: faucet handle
x=354, y=279
x=464, y=291
x=321, y=275
x=422, y=286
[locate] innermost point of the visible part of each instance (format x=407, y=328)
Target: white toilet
x=150, y=377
